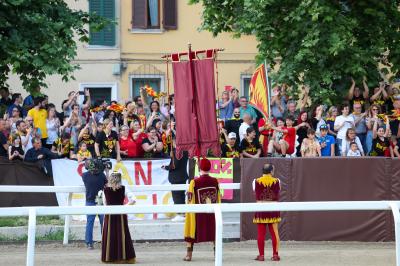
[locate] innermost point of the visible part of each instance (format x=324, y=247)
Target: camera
x=105, y=163
x=98, y=165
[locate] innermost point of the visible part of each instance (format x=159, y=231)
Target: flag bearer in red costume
x=200, y=227
x=267, y=190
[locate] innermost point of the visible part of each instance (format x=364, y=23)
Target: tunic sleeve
x=190, y=193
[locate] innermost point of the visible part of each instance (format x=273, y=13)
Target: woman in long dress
x=117, y=244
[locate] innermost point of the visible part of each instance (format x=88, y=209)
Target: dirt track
x=238, y=253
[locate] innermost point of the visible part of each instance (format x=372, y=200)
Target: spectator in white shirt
x=353, y=151
x=350, y=138
x=342, y=123
x=244, y=126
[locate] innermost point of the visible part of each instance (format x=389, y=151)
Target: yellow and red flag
x=258, y=91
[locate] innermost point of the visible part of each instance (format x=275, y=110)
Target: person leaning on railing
x=126, y=143
x=230, y=149
x=152, y=145
x=250, y=146
x=42, y=155
x=351, y=137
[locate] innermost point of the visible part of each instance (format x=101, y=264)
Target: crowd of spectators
x=33, y=129
x=368, y=124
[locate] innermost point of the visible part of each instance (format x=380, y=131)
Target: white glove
x=131, y=198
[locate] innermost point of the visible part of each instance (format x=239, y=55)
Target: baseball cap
x=324, y=126
x=232, y=135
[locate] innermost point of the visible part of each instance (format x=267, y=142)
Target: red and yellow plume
x=152, y=93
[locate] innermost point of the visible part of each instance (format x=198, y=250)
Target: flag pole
x=268, y=88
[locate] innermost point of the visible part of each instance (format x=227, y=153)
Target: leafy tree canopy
x=319, y=43
x=38, y=38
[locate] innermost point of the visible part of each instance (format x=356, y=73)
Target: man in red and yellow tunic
x=200, y=227
x=267, y=190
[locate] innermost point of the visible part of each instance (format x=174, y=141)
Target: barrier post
x=30, y=252
x=396, y=215
x=218, y=235
x=67, y=220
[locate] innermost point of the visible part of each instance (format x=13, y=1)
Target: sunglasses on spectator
x=374, y=109
x=153, y=132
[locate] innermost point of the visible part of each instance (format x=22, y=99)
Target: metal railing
x=218, y=209
x=81, y=189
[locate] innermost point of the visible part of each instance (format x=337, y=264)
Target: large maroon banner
x=328, y=179
x=24, y=174
x=195, y=108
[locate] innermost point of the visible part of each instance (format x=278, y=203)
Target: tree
x=317, y=43
x=37, y=39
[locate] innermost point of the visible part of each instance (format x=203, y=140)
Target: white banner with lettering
x=68, y=173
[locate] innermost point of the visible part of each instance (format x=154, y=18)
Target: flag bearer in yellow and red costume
x=267, y=189
x=200, y=227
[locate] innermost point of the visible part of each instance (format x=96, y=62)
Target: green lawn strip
x=23, y=221
x=52, y=235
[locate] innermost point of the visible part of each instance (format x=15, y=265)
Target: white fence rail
x=81, y=189
x=218, y=209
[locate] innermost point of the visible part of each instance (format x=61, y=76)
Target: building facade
x=153, y=28
x=128, y=54
x=99, y=60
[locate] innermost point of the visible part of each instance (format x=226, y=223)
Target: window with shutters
x=100, y=94
x=146, y=14
x=100, y=91
x=154, y=81
x=105, y=37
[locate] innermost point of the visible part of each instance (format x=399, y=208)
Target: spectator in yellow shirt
x=39, y=115
x=83, y=152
